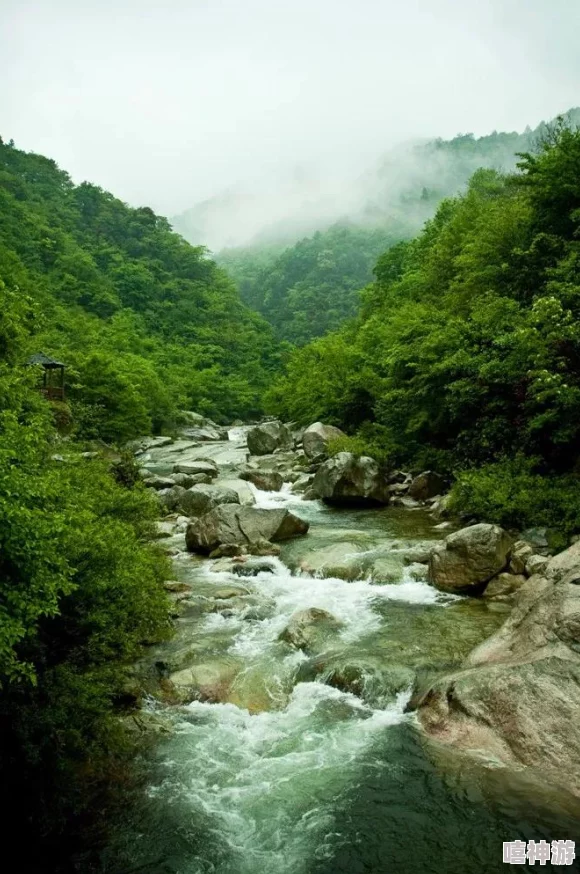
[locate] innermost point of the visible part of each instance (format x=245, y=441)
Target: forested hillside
x=466, y=352
x=311, y=287
x=145, y=322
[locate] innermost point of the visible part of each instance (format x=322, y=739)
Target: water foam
x=267, y=781
x=352, y=603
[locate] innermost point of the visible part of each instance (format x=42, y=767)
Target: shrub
x=512, y=494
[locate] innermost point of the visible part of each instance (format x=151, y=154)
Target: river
x=310, y=763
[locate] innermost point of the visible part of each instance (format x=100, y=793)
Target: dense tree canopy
x=310, y=288
x=80, y=593
x=467, y=347
x=146, y=322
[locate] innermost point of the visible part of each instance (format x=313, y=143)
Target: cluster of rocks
x=484, y=559
x=517, y=697
x=278, y=454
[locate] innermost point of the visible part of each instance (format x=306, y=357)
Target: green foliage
x=145, y=322
x=512, y=494
x=312, y=287
x=467, y=347
x=359, y=445
x=80, y=593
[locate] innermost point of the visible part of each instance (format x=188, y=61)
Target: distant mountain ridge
x=312, y=286
x=406, y=184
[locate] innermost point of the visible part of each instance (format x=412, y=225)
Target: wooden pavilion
x=52, y=386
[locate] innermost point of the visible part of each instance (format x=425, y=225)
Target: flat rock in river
x=193, y=467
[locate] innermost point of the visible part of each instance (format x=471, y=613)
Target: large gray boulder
x=518, y=696
x=231, y=523
x=170, y=499
x=266, y=438
x=347, y=479
x=201, y=499
x=468, y=559
x=316, y=438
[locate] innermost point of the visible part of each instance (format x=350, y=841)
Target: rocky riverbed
x=350, y=686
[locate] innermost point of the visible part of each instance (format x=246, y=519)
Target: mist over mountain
x=310, y=287
x=405, y=185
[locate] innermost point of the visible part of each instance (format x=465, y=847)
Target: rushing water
x=291, y=775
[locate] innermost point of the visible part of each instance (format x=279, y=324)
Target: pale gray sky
x=167, y=103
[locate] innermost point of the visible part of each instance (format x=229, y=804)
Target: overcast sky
x=167, y=103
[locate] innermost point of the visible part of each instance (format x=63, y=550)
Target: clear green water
x=288, y=775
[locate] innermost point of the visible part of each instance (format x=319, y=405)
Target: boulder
x=301, y=483
x=201, y=499
x=426, y=485
x=348, y=479
x=193, y=467
x=242, y=489
x=266, y=438
x=520, y=553
x=176, y=587
x=375, y=684
x=252, y=568
x=158, y=482
x=266, y=480
x=170, y=499
x=307, y=629
x=228, y=550
x=536, y=564
x=517, y=698
x=440, y=507
x=263, y=547
x=231, y=523
x=316, y=438
x=207, y=433
x=469, y=558
x=210, y=681
x=503, y=587
x=144, y=444
x=340, y=560
x=187, y=480
x=165, y=529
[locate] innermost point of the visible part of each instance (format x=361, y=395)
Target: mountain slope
x=311, y=287
x=145, y=322
x=466, y=353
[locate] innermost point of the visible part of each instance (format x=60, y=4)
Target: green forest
x=465, y=355
x=146, y=323
x=309, y=288
x=457, y=349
